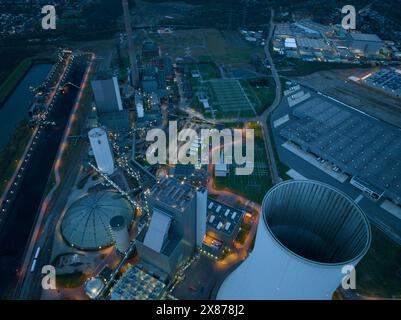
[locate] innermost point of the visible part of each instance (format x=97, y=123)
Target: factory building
x=364, y=148
x=150, y=49
x=153, y=80
x=387, y=79
x=171, y=237
x=109, y=105
x=84, y=225
x=168, y=67
x=107, y=94
x=364, y=44
x=136, y=284
x=222, y=227
x=119, y=233
x=149, y=79
x=116, y=121
x=102, y=150
x=308, y=232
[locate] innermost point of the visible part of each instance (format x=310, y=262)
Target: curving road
x=277, y=99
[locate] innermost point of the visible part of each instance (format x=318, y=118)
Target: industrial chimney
x=134, y=76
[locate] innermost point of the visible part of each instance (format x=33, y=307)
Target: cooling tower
x=307, y=233
x=102, y=150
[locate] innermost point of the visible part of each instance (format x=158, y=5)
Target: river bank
x=9, y=84
x=14, y=129
x=13, y=151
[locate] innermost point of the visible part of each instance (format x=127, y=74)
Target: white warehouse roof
x=290, y=43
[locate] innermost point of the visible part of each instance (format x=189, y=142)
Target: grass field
x=230, y=99
x=281, y=167
x=379, y=273
x=223, y=47
x=12, y=80
x=298, y=67
x=12, y=152
x=260, y=91
x=254, y=186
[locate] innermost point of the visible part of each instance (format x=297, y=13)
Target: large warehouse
x=359, y=145
x=86, y=224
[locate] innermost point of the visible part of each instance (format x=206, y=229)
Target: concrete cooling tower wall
x=308, y=232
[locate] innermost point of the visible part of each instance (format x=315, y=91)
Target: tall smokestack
x=131, y=49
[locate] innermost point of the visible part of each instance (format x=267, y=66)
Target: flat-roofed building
x=359, y=145
x=136, y=284
x=223, y=223
x=364, y=44
x=107, y=94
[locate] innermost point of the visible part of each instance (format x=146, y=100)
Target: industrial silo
x=119, y=232
x=308, y=231
x=102, y=150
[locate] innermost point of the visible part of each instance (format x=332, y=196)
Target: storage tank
x=93, y=287
x=308, y=231
x=119, y=232
x=102, y=150
x=85, y=223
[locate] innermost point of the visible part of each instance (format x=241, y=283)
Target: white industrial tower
x=308, y=232
x=102, y=150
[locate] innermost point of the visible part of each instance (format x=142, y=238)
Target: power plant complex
x=125, y=210
x=307, y=233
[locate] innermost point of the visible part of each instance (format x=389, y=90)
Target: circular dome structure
x=86, y=224
x=308, y=232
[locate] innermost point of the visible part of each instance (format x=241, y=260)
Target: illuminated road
x=277, y=99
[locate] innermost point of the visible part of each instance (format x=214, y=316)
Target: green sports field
x=229, y=98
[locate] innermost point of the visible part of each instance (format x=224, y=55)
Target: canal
x=15, y=109
x=24, y=206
